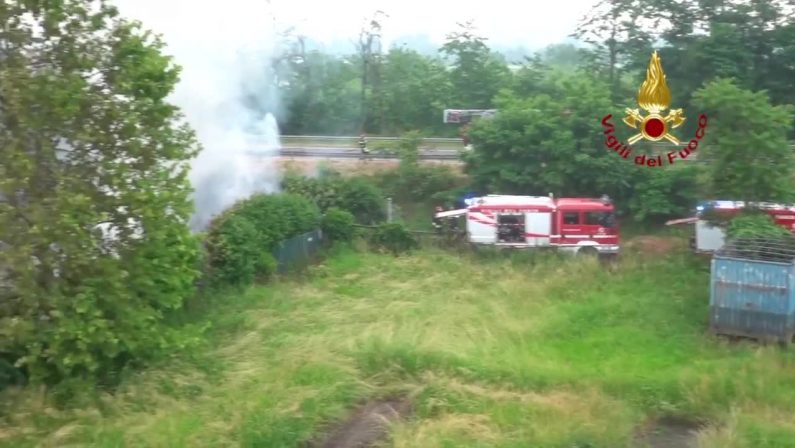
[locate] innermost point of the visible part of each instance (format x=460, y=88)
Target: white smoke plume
x=226, y=51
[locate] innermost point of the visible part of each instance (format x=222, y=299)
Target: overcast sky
x=532, y=23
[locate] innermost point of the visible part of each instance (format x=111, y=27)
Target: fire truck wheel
x=587, y=251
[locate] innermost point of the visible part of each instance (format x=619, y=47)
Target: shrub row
x=393, y=237
x=356, y=195
x=347, y=200
x=753, y=223
x=240, y=241
x=338, y=225
x=421, y=183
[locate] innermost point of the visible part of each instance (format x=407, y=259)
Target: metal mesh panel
x=781, y=249
x=297, y=251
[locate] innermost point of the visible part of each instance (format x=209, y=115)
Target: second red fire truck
x=579, y=225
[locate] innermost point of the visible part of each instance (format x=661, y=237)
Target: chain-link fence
x=297, y=251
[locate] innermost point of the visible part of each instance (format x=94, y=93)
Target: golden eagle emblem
x=654, y=97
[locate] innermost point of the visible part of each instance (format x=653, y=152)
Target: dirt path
x=668, y=433
x=367, y=426
x=655, y=245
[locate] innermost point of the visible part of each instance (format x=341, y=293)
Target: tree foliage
x=368, y=49
x=322, y=96
x=477, y=73
x=338, y=225
x=754, y=223
x=393, y=237
x=542, y=144
x=747, y=149
x=751, y=41
x=413, y=182
x=663, y=194
x=354, y=194
x=618, y=39
x=415, y=91
x=94, y=191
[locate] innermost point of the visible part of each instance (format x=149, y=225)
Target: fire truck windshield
x=604, y=219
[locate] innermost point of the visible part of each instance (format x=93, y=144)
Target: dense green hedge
x=338, y=225
x=420, y=183
x=94, y=313
x=357, y=195
x=241, y=240
x=393, y=237
x=755, y=224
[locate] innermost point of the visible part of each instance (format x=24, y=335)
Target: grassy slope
x=496, y=353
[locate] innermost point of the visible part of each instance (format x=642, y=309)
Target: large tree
x=322, y=95
x=88, y=143
x=477, y=73
x=746, y=144
x=548, y=142
x=751, y=41
x=619, y=32
x=368, y=49
x=415, y=92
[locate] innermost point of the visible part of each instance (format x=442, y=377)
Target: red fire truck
x=708, y=238
x=579, y=225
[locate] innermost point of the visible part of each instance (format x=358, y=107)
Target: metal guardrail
x=340, y=153
x=369, y=139
x=353, y=142
x=428, y=141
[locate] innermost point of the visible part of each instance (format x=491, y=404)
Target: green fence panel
x=297, y=251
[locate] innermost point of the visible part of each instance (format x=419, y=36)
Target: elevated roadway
x=342, y=147
x=341, y=153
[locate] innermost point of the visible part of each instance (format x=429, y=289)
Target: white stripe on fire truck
x=584, y=236
x=475, y=218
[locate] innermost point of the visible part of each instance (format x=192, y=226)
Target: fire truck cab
x=570, y=224
x=586, y=222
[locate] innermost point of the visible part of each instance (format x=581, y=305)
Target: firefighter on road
x=363, y=144
x=465, y=136
x=437, y=222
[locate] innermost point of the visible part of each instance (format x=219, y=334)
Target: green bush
x=338, y=225
x=393, y=237
x=240, y=242
x=754, y=224
x=102, y=312
x=324, y=170
x=232, y=256
x=412, y=181
x=363, y=199
x=357, y=195
x=418, y=183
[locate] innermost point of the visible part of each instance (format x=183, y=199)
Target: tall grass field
x=493, y=351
